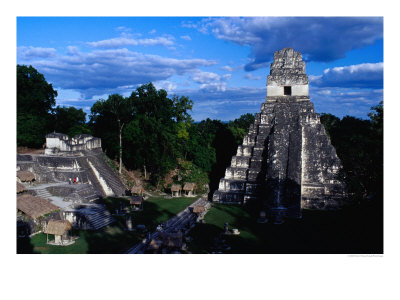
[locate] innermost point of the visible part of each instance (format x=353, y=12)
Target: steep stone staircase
x=108, y=174
x=98, y=216
x=41, y=190
x=43, y=193
x=91, y=197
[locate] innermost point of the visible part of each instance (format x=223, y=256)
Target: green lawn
x=39, y=243
x=347, y=231
x=112, y=239
x=158, y=210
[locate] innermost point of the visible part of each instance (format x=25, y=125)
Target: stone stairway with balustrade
x=98, y=217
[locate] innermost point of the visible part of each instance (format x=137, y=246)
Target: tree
x=181, y=107
x=35, y=102
x=239, y=127
x=329, y=121
x=155, y=133
x=376, y=117
x=103, y=124
x=121, y=108
x=154, y=142
x=111, y=115
x=244, y=121
x=150, y=128
x=34, y=94
x=359, y=145
x=200, y=144
x=70, y=120
x=31, y=130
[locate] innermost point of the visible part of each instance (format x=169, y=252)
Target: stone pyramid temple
x=286, y=161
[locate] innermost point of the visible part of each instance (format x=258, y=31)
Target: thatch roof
x=176, y=188
x=137, y=189
x=199, y=209
x=34, y=207
x=58, y=227
x=136, y=200
x=25, y=176
x=20, y=188
x=189, y=186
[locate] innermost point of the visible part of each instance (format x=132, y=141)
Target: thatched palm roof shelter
x=25, y=176
x=189, y=186
x=58, y=227
x=137, y=189
x=60, y=230
x=20, y=188
x=136, y=202
x=176, y=189
x=34, y=207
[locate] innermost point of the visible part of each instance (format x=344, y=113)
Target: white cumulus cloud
x=367, y=75
x=186, y=37
x=124, y=41
x=35, y=52
x=210, y=81
x=252, y=77
x=107, y=71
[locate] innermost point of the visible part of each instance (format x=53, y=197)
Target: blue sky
x=220, y=63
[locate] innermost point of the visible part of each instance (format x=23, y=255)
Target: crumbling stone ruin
x=286, y=160
x=58, y=143
x=66, y=159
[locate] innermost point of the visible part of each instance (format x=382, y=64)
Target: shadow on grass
x=110, y=240
x=151, y=216
x=24, y=246
x=355, y=230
